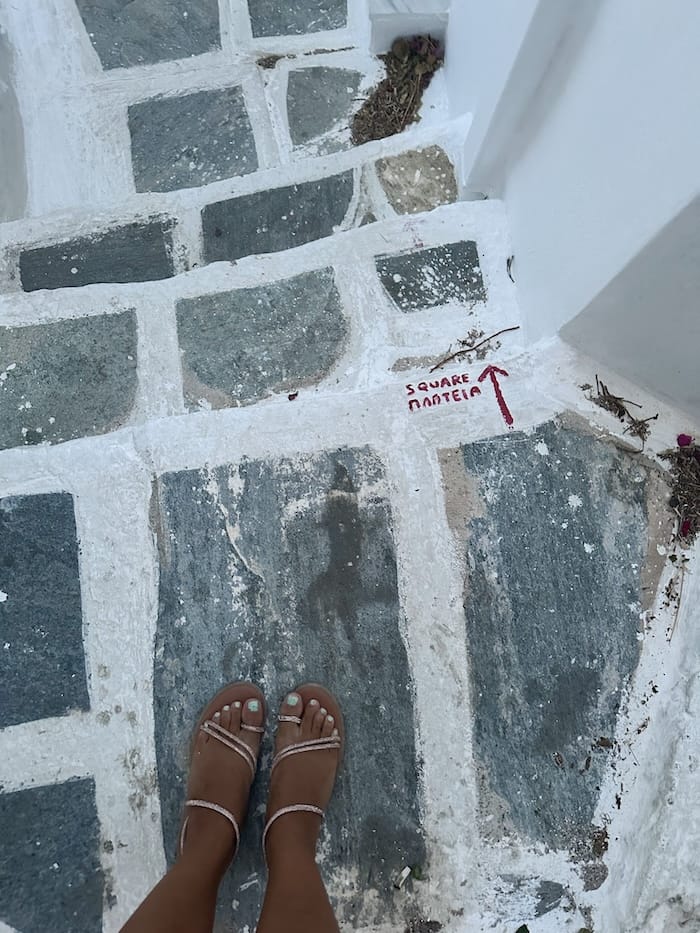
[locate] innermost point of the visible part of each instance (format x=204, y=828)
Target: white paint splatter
x=575, y=502
x=589, y=548
x=542, y=449
x=3, y=596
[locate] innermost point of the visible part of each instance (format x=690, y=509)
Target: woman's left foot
x=221, y=776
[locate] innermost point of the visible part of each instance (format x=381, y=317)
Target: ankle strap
x=216, y=808
x=295, y=808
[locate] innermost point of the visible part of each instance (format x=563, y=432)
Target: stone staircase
x=231, y=447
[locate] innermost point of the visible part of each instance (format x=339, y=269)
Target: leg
x=184, y=901
x=296, y=900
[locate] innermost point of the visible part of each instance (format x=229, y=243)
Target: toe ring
x=258, y=729
x=294, y=719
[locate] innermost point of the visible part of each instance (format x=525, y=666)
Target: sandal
x=239, y=692
x=332, y=742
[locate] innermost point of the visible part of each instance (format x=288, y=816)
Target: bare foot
x=306, y=778
x=222, y=776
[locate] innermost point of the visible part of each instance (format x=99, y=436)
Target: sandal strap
x=332, y=742
x=258, y=729
x=206, y=805
x=231, y=741
x=294, y=808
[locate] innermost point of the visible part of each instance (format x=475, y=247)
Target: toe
x=307, y=721
x=289, y=732
x=224, y=719
x=235, y=717
x=319, y=720
x=327, y=727
x=252, y=713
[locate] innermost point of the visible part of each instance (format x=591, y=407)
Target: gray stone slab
x=280, y=18
x=13, y=180
x=195, y=139
x=141, y=32
x=426, y=278
x=242, y=345
x=42, y=663
x=553, y=527
x=320, y=100
x=50, y=875
x=418, y=180
x=136, y=252
x=276, y=219
x=283, y=571
x=67, y=379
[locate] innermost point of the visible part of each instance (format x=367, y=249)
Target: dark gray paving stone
x=50, y=875
x=182, y=142
x=280, y=18
x=42, y=663
x=277, y=219
x=137, y=252
x=141, y=32
x=67, y=379
x=242, y=345
x=426, y=278
x=554, y=530
x=284, y=571
x=319, y=100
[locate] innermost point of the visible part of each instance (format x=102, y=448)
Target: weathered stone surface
x=553, y=527
x=141, y=32
x=426, y=278
x=419, y=180
x=321, y=100
x=67, y=379
x=242, y=345
x=50, y=875
x=277, y=219
x=182, y=142
x=42, y=665
x=137, y=252
x=281, y=572
x=279, y=18
x=13, y=179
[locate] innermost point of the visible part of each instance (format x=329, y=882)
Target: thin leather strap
x=231, y=741
x=294, y=808
x=216, y=808
x=332, y=742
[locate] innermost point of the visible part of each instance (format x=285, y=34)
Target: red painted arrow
x=492, y=371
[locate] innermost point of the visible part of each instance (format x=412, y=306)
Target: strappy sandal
x=332, y=742
x=239, y=691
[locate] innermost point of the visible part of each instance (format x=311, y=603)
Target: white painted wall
x=646, y=323
x=613, y=156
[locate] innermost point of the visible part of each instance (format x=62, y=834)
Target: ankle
x=293, y=837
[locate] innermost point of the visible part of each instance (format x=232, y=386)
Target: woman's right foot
x=303, y=778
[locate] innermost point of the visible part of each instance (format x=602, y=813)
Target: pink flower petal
x=684, y=440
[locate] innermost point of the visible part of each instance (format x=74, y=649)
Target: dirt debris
x=395, y=102
x=618, y=406
x=684, y=467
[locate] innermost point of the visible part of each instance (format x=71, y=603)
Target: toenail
x=314, y=703
x=253, y=706
x=330, y=720
x=237, y=704
x=227, y=708
x=335, y=732
x=292, y=699
x=217, y=715
x=323, y=711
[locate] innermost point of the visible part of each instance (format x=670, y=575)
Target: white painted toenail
x=292, y=699
x=217, y=715
x=330, y=720
x=335, y=732
x=227, y=708
x=237, y=704
x=323, y=711
x=253, y=706
x=314, y=703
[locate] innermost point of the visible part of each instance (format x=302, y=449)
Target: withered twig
x=465, y=350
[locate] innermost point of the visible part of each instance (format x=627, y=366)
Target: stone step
x=262, y=329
